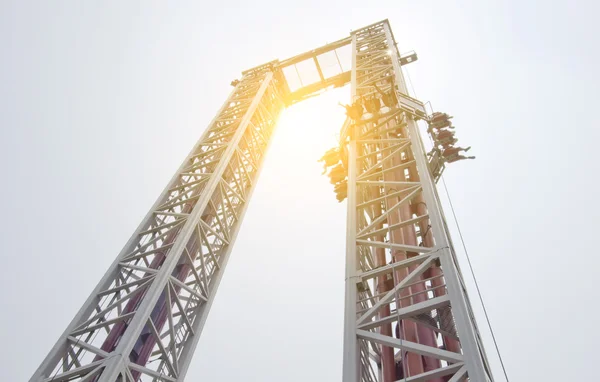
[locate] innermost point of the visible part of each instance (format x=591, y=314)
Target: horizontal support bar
x=409, y=311
x=400, y=247
x=436, y=373
x=410, y=346
x=390, y=267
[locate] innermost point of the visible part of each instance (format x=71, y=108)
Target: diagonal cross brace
x=391, y=294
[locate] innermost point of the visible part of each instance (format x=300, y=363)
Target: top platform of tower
x=308, y=74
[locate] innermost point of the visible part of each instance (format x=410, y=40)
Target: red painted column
x=388, y=363
x=437, y=282
x=412, y=362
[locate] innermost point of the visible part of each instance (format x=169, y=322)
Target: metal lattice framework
x=401, y=268
x=154, y=300
x=143, y=320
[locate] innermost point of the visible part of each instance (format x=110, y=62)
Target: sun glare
x=304, y=133
x=311, y=127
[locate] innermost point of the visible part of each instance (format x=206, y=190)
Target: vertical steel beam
x=59, y=349
x=351, y=359
x=392, y=204
x=466, y=328
x=137, y=324
x=154, y=300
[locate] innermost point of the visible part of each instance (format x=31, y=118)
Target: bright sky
x=101, y=101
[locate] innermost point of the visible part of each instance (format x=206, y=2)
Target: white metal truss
x=401, y=268
x=143, y=320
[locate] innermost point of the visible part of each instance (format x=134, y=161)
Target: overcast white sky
x=101, y=101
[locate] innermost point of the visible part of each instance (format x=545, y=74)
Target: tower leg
x=144, y=318
x=394, y=213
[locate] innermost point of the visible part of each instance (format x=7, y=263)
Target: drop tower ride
x=407, y=312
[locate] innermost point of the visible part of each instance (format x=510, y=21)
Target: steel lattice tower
x=404, y=289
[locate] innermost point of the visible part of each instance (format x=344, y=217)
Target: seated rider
x=354, y=111
x=451, y=154
x=439, y=121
